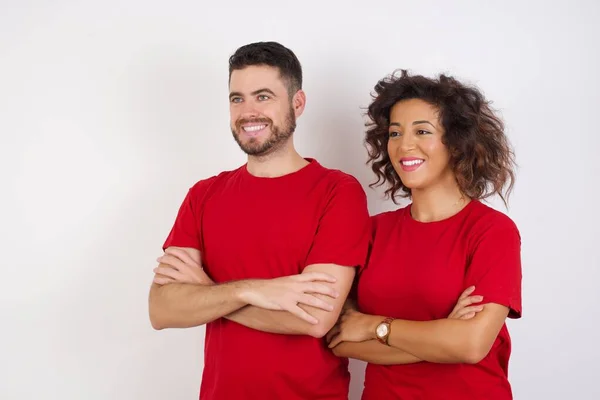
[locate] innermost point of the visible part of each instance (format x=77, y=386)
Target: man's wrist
x=243, y=289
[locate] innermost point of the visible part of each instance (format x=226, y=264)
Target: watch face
x=382, y=330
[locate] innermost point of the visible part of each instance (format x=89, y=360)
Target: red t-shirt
x=416, y=271
x=247, y=228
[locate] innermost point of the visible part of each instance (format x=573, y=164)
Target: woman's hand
x=464, y=308
x=353, y=326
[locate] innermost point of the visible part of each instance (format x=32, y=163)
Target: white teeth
x=412, y=162
x=253, y=128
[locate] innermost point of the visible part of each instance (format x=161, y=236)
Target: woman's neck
x=438, y=202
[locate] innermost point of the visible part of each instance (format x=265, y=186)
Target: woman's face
x=415, y=146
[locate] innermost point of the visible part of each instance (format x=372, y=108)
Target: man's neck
x=276, y=164
x=437, y=202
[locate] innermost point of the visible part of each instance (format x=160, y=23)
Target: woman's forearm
x=374, y=352
x=450, y=340
x=439, y=341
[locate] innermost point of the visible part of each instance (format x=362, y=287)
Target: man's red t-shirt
x=248, y=227
x=417, y=271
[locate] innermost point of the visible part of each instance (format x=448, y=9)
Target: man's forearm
x=374, y=352
x=180, y=305
x=286, y=323
x=281, y=322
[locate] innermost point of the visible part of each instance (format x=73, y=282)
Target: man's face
x=262, y=116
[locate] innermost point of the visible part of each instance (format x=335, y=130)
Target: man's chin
x=254, y=148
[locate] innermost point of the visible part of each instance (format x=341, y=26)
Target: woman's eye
x=423, y=132
x=394, y=134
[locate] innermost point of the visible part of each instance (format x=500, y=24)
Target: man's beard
x=276, y=140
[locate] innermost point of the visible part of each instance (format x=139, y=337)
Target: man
x=265, y=255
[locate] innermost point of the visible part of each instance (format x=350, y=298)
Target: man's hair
x=272, y=54
x=480, y=154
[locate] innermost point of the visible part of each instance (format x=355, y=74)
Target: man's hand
x=287, y=292
x=176, y=265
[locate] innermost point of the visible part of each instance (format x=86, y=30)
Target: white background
x=110, y=110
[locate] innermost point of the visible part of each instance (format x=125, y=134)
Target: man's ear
x=299, y=102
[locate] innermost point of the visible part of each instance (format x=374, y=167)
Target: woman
x=439, y=143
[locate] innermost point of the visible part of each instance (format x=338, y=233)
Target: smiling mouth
x=412, y=164
x=253, y=128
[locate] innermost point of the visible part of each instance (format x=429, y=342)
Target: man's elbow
x=317, y=331
x=157, y=322
x=158, y=313
x=321, y=329
x=158, y=326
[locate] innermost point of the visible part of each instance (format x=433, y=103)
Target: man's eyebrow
x=254, y=93
x=265, y=90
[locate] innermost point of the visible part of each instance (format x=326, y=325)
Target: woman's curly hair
x=480, y=154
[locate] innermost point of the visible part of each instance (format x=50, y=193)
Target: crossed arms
x=465, y=336
x=182, y=295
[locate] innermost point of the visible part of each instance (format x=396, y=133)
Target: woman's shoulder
x=485, y=221
x=486, y=215
x=388, y=219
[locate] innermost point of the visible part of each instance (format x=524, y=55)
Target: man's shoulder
x=201, y=187
x=337, y=179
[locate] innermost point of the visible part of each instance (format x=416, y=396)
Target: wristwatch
x=383, y=330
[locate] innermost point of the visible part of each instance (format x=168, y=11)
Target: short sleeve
x=186, y=230
x=344, y=229
x=495, y=267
